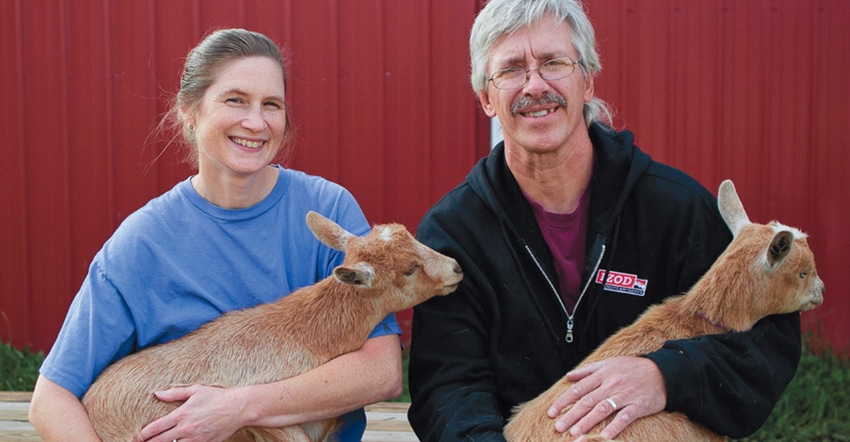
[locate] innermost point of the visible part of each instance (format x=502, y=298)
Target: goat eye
x=412, y=269
x=803, y=275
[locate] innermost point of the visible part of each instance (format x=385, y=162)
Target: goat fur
x=385, y=271
x=766, y=270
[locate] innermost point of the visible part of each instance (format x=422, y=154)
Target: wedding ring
x=613, y=404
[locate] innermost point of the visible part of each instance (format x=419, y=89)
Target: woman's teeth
x=248, y=144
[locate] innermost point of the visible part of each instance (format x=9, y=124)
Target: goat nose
x=457, y=269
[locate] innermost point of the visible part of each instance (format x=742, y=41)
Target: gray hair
x=204, y=63
x=503, y=17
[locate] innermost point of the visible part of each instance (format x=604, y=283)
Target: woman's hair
x=503, y=17
x=203, y=65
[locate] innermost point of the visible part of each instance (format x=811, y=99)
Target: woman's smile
x=248, y=143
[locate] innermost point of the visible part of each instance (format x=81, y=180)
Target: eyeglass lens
x=514, y=77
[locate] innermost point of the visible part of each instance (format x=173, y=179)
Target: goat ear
x=731, y=208
x=780, y=247
x=359, y=274
x=328, y=232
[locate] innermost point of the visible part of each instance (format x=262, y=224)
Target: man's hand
x=630, y=387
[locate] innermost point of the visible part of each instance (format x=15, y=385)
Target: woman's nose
x=254, y=120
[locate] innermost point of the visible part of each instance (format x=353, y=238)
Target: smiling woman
x=238, y=128
x=231, y=237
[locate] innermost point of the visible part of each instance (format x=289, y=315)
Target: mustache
x=526, y=102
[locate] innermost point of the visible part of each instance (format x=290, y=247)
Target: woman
x=230, y=237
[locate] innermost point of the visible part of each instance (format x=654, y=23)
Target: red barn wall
x=753, y=91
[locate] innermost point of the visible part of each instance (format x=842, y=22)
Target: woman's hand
x=207, y=414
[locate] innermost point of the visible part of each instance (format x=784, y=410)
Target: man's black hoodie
x=504, y=336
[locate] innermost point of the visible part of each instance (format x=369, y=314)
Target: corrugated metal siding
x=755, y=91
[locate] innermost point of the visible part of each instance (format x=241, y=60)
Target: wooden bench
x=13, y=417
x=385, y=421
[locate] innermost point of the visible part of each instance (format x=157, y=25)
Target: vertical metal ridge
x=109, y=97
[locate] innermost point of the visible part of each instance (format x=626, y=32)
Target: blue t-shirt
x=180, y=261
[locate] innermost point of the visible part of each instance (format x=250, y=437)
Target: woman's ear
x=186, y=117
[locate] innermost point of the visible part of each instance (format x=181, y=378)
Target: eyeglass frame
x=573, y=63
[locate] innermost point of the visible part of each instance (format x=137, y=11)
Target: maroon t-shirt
x=565, y=235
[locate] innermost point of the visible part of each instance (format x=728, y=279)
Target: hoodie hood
x=618, y=165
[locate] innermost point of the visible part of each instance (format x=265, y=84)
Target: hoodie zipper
x=570, y=317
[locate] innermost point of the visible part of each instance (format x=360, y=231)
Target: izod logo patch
x=624, y=283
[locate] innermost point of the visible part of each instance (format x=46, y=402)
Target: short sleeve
x=97, y=331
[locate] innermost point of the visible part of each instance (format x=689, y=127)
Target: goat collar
x=717, y=324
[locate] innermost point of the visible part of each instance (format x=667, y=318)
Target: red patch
x=619, y=282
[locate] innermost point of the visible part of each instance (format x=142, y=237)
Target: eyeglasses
x=551, y=70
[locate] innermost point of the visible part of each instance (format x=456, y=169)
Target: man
x=566, y=232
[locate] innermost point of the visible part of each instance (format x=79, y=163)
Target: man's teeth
x=249, y=144
x=539, y=113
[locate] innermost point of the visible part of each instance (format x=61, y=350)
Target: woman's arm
x=58, y=415
x=371, y=374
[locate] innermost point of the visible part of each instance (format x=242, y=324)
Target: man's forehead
x=543, y=40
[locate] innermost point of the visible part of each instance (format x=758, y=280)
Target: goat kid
x=765, y=270
x=385, y=271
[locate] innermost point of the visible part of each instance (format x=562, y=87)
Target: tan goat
x=765, y=270
x=385, y=271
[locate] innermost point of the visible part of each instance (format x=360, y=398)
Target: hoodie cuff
x=678, y=371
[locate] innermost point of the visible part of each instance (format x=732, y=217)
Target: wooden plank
x=14, y=426
x=15, y=396
x=388, y=436
x=18, y=431
x=389, y=407
x=14, y=411
x=385, y=421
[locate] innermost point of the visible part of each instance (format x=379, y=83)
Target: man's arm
x=630, y=387
x=451, y=385
x=728, y=382
x=731, y=382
